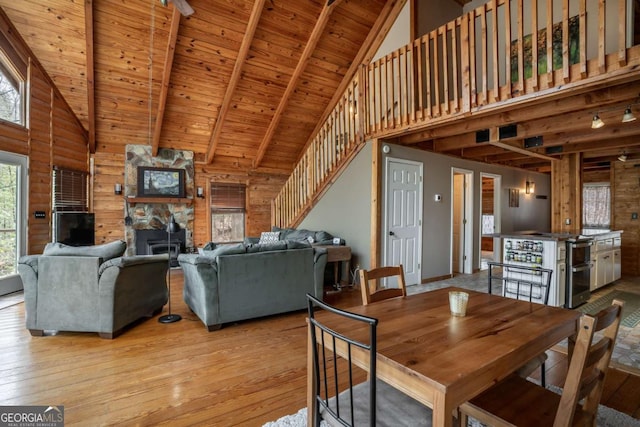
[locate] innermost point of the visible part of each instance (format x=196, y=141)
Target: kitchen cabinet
x=606, y=257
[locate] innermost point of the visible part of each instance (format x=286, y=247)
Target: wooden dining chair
x=362, y=399
x=370, y=284
x=516, y=401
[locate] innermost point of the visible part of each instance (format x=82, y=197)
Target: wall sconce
x=530, y=187
x=117, y=189
x=200, y=192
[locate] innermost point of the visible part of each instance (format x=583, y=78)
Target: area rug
x=607, y=417
x=630, y=311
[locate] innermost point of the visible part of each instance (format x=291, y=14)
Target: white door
x=461, y=221
x=403, y=217
x=13, y=184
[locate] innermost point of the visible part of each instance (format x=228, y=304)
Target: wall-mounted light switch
x=567, y=221
x=634, y=215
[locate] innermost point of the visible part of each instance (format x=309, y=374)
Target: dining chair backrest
x=333, y=366
x=589, y=364
x=370, y=282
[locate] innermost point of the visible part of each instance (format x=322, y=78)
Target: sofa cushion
x=269, y=236
x=230, y=249
x=297, y=244
x=105, y=251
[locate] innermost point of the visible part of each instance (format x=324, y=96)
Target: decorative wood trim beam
x=166, y=77
x=521, y=150
x=370, y=46
x=302, y=64
x=91, y=90
x=256, y=12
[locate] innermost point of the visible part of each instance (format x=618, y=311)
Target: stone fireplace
x=151, y=215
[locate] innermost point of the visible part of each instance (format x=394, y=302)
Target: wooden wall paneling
x=40, y=164
x=566, y=193
x=69, y=146
x=626, y=202
x=109, y=208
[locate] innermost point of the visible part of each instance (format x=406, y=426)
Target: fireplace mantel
x=174, y=200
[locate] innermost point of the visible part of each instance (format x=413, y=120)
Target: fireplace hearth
x=152, y=242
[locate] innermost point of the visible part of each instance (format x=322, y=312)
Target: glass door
x=12, y=219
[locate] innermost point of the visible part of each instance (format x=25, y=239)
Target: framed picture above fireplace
x=160, y=182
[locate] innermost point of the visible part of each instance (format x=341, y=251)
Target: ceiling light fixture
x=597, y=122
x=628, y=115
x=622, y=157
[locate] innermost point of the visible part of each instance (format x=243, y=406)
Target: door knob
x=391, y=233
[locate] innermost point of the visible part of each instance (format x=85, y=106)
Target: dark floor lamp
x=172, y=227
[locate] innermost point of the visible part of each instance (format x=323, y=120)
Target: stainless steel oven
x=578, y=271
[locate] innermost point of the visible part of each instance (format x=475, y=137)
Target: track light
x=597, y=122
x=628, y=115
x=622, y=157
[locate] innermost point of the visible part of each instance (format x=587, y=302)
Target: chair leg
x=543, y=372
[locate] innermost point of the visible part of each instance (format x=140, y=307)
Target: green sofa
x=91, y=288
x=248, y=280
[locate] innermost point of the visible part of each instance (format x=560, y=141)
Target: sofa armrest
x=28, y=270
x=200, y=290
x=129, y=286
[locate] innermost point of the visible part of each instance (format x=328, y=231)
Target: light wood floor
x=180, y=374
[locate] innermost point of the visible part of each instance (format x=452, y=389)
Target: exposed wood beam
x=91, y=100
x=166, y=77
x=521, y=150
x=256, y=12
x=302, y=64
x=371, y=44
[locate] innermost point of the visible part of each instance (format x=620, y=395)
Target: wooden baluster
x=427, y=68
x=436, y=82
x=507, y=50
x=549, y=43
x=454, y=62
x=496, y=67
x=417, y=65
x=622, y=32
x=470, y=74
x=583, y=39
x=443, y=31
x=534, y=45
x=566, y=72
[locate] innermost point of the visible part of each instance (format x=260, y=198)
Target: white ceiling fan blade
x=183, y=7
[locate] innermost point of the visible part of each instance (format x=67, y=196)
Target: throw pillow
x=105, y=251
x=269, y=237
x=230, y=249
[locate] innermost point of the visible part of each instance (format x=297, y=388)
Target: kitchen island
x=593, y=260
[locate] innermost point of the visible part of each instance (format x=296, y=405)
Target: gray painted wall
x=345, y=209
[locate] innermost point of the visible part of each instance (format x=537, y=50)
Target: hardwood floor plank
x=154, y=374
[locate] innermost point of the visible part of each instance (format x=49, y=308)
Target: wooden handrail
x=455, y=69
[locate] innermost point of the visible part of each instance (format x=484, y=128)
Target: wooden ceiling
x=243, y=83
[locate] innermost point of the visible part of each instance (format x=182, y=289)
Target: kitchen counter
x=558, y=237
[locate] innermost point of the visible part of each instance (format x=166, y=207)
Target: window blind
x=228, y=197
x=70, y=190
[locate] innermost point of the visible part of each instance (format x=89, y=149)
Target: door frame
x=385, y=215
x=497, y=214
x=13, y=283
x=467, y=265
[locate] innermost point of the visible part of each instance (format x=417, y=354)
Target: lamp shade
x=597, y=122
x=628, y=116
x=173, y=226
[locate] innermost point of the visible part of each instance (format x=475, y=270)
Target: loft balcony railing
x=494, y=54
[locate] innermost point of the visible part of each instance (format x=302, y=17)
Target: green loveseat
x=247, y=280
x=91, y=288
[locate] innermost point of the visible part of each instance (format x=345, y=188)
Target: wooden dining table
x=442, y=360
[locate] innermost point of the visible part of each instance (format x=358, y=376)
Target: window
x=70, y=190
x=11, y=92
x=596, y=205
x=228, y=209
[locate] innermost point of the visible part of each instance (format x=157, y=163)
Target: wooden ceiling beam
x=521, y=150
x=314, y=38
x=166, y=78
x=589, y=102
x=236, y=74
x=91, y=94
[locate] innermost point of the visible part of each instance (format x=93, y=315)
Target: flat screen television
x=74, y=228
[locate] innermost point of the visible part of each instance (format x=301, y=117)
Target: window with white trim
x=12, y=105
